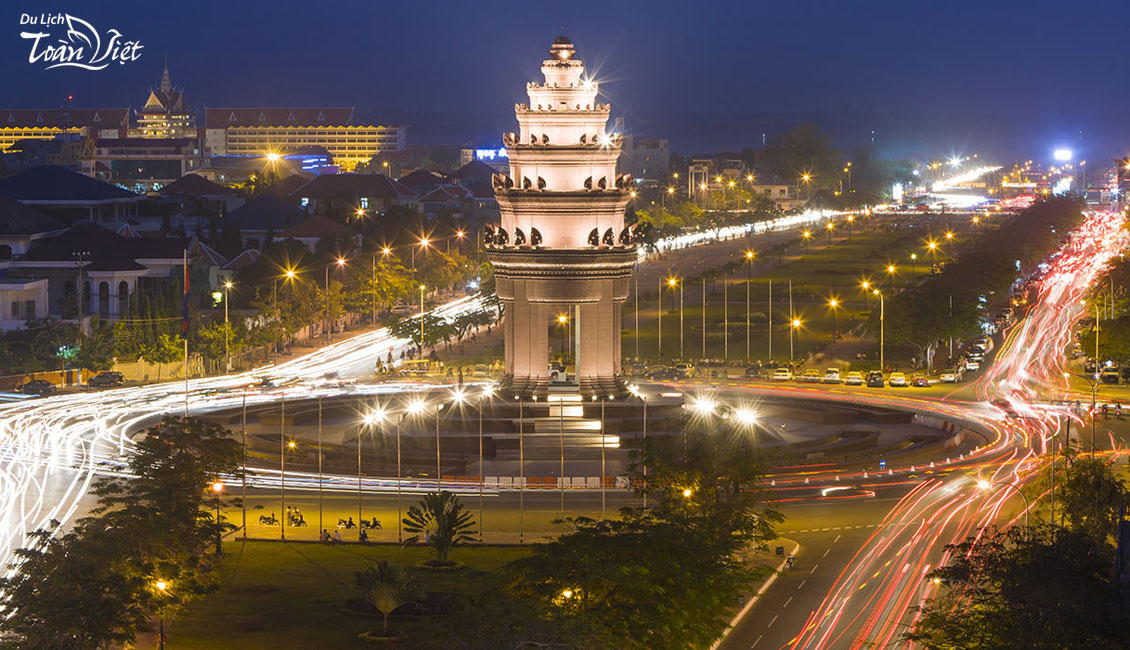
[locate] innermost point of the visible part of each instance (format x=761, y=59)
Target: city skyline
x=960, y=77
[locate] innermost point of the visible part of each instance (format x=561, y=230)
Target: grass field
x=818, y=273
x=279, y=596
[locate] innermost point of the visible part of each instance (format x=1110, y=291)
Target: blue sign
x=882, y=463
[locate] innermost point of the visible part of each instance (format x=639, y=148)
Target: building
x=263, y=219
x=46, y=124
x=164, y=114
x=142, y=164
x=70, y=196
x=561, y=250
x=259, y=131
x=342, y=195
x=646, y=159
x=21, y=300
x=315, y=228
x=196, y=193
x=21, y=226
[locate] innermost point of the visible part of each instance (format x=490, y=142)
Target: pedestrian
x=364, y=536
x=337, y=536
x=325, y=536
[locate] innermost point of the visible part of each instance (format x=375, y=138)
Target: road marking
x=771, y=623
x=826, y=551
x=756, y=642
x=823, y=529
x=801, y=584
x=813, y=568
x=837, y=539
x=787, y=602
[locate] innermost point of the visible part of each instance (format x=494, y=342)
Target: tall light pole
x=422, y=290
x=749, y=255
x=287, y=276
x=487, y=391
x=891, y=274
x=227, y=344
x=217, y=489
x=882, y=326
x=681, y=320
x=913, y=267
x=794, y=333
x=807, y=234
x=162, y=588
x=833, y=303
x=329, y=320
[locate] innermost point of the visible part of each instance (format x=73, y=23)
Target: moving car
x=782, y=374
x=480, y=371
x=897, y=379
x=812, y=376
x=875, y=379
x=854, y=378
x=684, y=369
x=832, y=376
x=421, y=368
x=662, y=372
x=949, y=376
x=39, y=387
x=106, y=378
x=919, y=381
x=755, y=372
x=972, y=364
x=1109, y=375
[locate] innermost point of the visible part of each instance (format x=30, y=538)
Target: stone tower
x=562, y=248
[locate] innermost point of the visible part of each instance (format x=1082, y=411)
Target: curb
x=753, y=599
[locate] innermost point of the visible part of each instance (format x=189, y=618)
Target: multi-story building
x=164, y=114
x=46, y=124
x=142, y=164
x=262, y=131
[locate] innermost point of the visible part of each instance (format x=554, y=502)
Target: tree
x=387, y=586
x=804, y=150
x=166, y=349
x=1088, y=494
x=441, y=519
x=1024, y=589
x=96, y=352
x=1114, y=339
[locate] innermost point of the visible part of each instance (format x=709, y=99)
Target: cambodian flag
x=184, y=319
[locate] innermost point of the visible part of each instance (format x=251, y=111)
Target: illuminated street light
x=273, y=157
x=745, y=417
x=687, y=492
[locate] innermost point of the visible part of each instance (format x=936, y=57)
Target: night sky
x=1015, y=79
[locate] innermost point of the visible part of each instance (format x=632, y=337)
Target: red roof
x=222, y=118
x=246, y=258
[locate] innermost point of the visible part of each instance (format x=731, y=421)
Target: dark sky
x=1014, y=78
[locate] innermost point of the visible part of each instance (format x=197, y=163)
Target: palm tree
x=387, y=586
x=440, y=517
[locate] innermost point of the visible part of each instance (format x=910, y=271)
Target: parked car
x=1109, y=375
x=782, y=374
x=949, y=376
x=854, y=378
x=481, y=371
x=662, y=372
x=920, y=381
x=39, y=387
x=832, y=376
x=875, y=379
x=897, y=379
x=756, y=371
x=972, y=364
x=812, y=376
x=684, y=369
x=106, y=378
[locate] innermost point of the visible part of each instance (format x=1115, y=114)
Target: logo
x=77, y=44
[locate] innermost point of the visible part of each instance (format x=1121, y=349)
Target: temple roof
x=102, y=118
x=222, y=118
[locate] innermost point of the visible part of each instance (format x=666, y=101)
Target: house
x=263, y=219
x=21, y=226
x=317, y=227
x=21, y=300
x=111, y=268
x=342, y=195
x=194, y=192
x=70, y=196
x=422, y=181
x=449, y=198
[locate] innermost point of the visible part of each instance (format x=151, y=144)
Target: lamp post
x=794, y=333
x=866, y=286
x=288, y=275
x=329, y=320
x=422, y=290
x=162, y=588
x=891, y=274
x=829, y=228
x=882, y=326
x=749, y=255
x=227, y=345
x=487, y=391
x=217, y=489
x=833, y=303
x=985, y=485
x=913, y=267
x=806, y=235
x=681, y=321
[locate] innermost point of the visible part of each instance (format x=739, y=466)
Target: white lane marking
x=771, y=623
x=826, y=551
x=756, y=642
x=787, y=602
x=801, y=584
x=813, y=568
x=837, y=539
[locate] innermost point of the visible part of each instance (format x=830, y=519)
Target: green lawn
x=835, y=270
x=279, y=596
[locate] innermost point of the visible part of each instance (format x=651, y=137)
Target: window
x=306, y=201
x=16, y=309
x=364, y=203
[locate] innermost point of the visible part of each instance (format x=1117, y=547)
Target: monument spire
x=562, y=252
x=166, y=82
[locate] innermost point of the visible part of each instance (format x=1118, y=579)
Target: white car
x=948, y=377
x=832, y=376
x=970, y=364
x=810, y=376
x=897, y=379
x=854, y=378
x=782, y=374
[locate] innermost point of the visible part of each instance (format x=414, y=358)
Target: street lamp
x=833, y=303
x=287, y=276
x=329, y=321
x=227, y=345
x=749, y=255
x=882, y=326
x=985, y=485
x=866, y=286
x=372, y=418
x=794, y=333
x=891, y=273
x=830, y=227
x=806, y=234
x=162, y=588
x=217, y=489
x=422, y=290
x=913, y=267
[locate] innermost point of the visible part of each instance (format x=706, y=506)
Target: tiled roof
x=19, y=219
x=102, y=118
x=354, y=186
x=222, y=118
x=195, y=185
x=50, y=183
x=199, y=249
x=107, y=251
x=474, y=169
x=266, y=212
x=246, y=258
x=288, y=185
x=421, y=178
x=317, y=226
x=446, y=193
